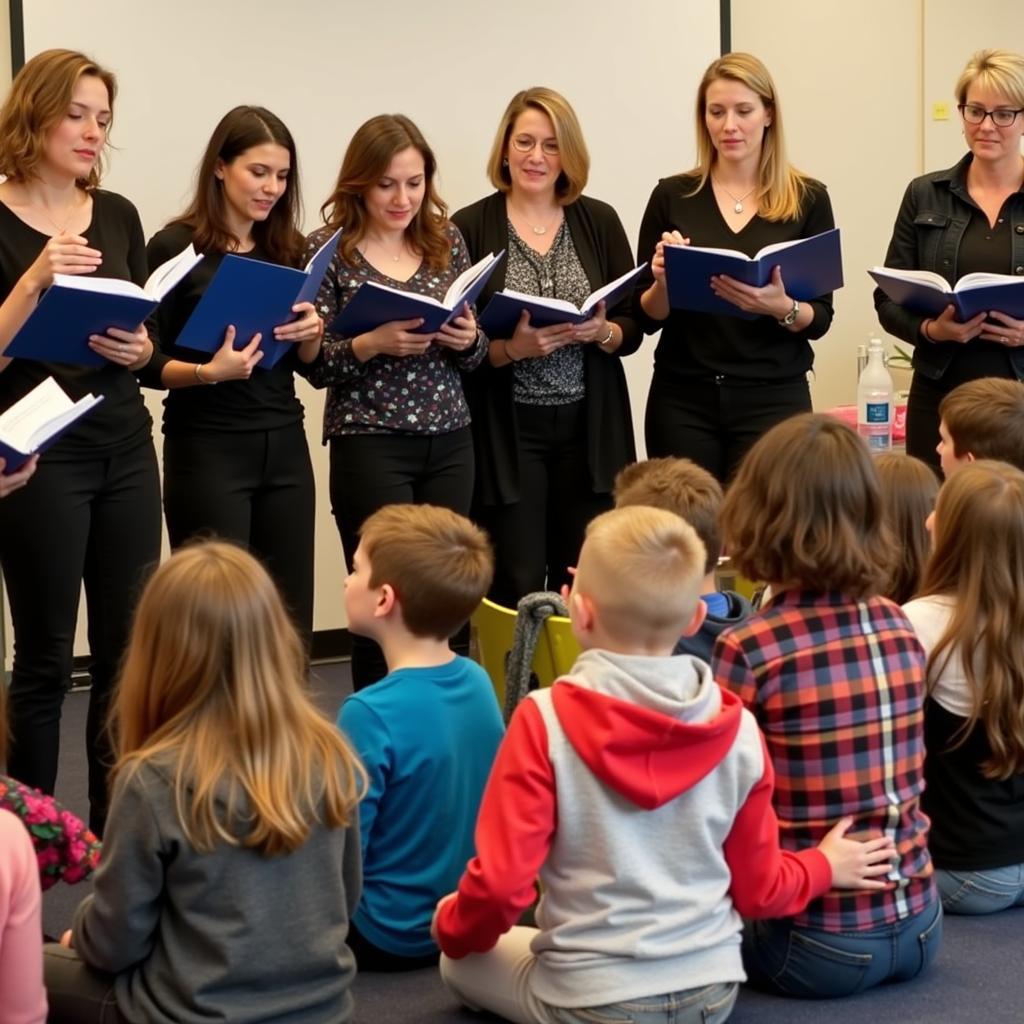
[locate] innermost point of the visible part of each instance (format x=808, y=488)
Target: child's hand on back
x=437, y=910
x=856, y=864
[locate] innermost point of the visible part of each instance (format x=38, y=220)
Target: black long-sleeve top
x=121, y=421
x=604, y=252
x=706, y=345
x=266, y=401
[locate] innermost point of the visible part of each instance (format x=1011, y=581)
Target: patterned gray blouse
x=386, y=394
x=555, y=379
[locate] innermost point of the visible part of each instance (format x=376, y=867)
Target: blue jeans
x=813, y=964
x=981, y=892
x=710, y=1005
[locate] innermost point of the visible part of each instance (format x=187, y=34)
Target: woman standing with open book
x=967, y=219
x=236, y=460
x=396, y=418
x=720, y=382
x=551, y=418
x=91, y=513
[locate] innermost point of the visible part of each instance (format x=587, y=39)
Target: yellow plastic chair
x=563, y=646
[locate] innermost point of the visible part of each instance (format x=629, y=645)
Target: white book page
x=714, y=252
x=398, y=291
x=595, y=297
x=778, y=247
x=29, y=414
x=102, y=285
x=926, y=277
x=58, y=423
x=542, y=300
x=983, y=280
x=461, y=284
x=168, y=274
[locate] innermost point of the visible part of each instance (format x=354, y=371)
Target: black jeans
x=372, y=958
x=76, y=993
x=538, y=537
x=715, y=420
x=255, y=488
x=369, y=471
x=95, y=521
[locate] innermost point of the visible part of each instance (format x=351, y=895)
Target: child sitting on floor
x=970, y=619
x=909, y=489
x=834, y=675
x=427, y=732
x=641, y=793
x=683, y=487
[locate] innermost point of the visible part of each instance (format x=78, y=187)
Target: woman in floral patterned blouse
x=396, y=418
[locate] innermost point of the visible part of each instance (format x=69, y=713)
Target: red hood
x=647, y=756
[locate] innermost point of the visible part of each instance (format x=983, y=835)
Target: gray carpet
x=978, y=977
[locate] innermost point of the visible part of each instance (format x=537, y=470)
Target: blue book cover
x=927, y=293
x=77, y=306
x=502, y=314
x=811, y=267
x=255, y=297
x=375, y=304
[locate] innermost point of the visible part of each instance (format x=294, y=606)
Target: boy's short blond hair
x=679, y=486
x=642, y=568
x=985, y=418
x=439, y=564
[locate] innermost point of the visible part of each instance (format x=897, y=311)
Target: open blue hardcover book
x=502, y=314
x=36, y=420
x=254, y=297
x=76, y=306
x=375, y=304
x=928, y=293
x=810, y=267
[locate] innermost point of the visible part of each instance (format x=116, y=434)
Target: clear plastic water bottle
x=875, y=397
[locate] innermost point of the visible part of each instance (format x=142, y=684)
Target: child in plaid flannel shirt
x=834, y=675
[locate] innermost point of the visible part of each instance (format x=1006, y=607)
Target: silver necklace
x=737, y=203
x=543, y=228
x=394, y=259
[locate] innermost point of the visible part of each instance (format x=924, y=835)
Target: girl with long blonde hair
x=722, y=380
x=232, y=851
x=970, y=619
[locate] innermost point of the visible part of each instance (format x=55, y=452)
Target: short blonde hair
x=782, y=189
x=805, y=510
x=39, y=98
x=679, y=486
x=998, y=70
x=439, y=564
x=642, y=568
x=572, y=148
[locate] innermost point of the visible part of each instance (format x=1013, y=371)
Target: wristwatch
x=790, y=318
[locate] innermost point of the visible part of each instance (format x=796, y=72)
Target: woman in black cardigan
x=551, y=417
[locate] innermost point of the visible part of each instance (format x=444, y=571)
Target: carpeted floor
x=977, y=979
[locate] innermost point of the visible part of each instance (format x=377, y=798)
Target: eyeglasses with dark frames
x=1001, y=116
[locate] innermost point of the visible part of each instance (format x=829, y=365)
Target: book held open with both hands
x=37, y=419
x=928, y=293
x=810, y=267
x=376, y=304
x=77, y=306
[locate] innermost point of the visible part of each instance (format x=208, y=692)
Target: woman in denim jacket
x=966, y=219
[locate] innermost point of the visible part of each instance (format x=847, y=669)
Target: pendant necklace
x=737, y=203
x=541, y=229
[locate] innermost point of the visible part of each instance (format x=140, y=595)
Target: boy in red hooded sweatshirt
x=641, y=794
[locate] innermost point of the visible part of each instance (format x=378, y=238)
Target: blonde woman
x=970, y=619
x=551, y=418
x=232, y=851
x=968, y=218
x=720, y=382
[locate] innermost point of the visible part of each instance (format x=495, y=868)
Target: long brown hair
x=214, y=681
x=978, y=561
x=805, y=509
x=369, y=154
x=909, y=488
x=239, y=130
x=39, y=98
x=782, y=189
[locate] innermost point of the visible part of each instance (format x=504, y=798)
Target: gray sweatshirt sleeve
x=115, y=927
x=352, y=867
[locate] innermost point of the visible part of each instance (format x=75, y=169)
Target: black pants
x=255, y=488
x=714, y=421
x=372, y=958
x=95, y=521
x=369, y=471
x=538, y=537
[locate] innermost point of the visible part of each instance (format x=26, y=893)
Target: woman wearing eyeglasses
x=551, y=418
x=967, y=219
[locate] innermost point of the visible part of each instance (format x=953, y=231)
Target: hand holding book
x=62, y=254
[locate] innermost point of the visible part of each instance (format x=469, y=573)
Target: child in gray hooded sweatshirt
x=641, y=794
